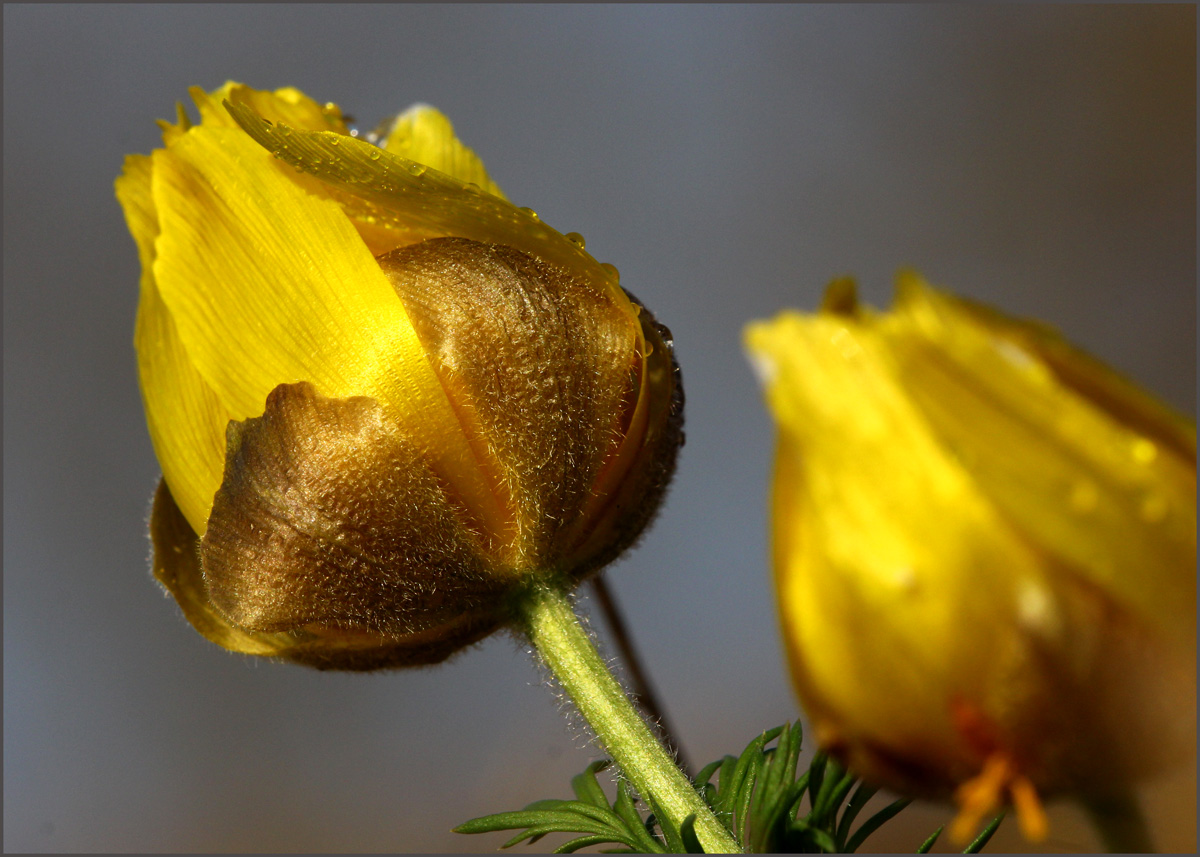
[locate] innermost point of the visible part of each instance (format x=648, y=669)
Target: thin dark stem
x=642, y=690
x=1119, y=821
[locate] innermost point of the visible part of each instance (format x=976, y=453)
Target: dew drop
x=373, y=154
x=611, y=270
x=843, y=340
x=576, y=239
x=1144, y=451
x=335, y=141
x=904, y=579
x=765, y=369
x=1036, y=611
x=1015, y=354
x=417, y=169
x=530, y=212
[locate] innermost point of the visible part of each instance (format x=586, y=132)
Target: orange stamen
x=1031, y=817
x=981, y=795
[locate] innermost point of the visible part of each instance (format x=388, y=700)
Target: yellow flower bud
x=984, y=552
x=381, y=395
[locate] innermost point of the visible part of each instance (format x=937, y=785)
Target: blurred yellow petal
x=1073, y=367
x=1103, y=495
x=425, y=135
x=886, y=519
x=269, y=285
x=185, y=418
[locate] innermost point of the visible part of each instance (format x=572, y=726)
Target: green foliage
x=589, y=814
x=975, y=847
x=757, y=796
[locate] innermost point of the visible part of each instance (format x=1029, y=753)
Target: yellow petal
x=1106, y=496
x=171, y=133
x=425, y=135
x=287, y=105
x=269, y=285
x=185, y=418
x=414, y=203
x=133, y=193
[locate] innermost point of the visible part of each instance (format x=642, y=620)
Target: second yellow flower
x=985, y=547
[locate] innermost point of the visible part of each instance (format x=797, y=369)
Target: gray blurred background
x=730, y=161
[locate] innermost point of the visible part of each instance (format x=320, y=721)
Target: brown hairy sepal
x=333, y=541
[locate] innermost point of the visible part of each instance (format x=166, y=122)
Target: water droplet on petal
x=844, y=340
x=530, y=212
x=904, y=579
x=1036, y=611
x=576, y=239
x=611, y=270
x=373, y=154
x=417, y=169
x=1144, y=451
